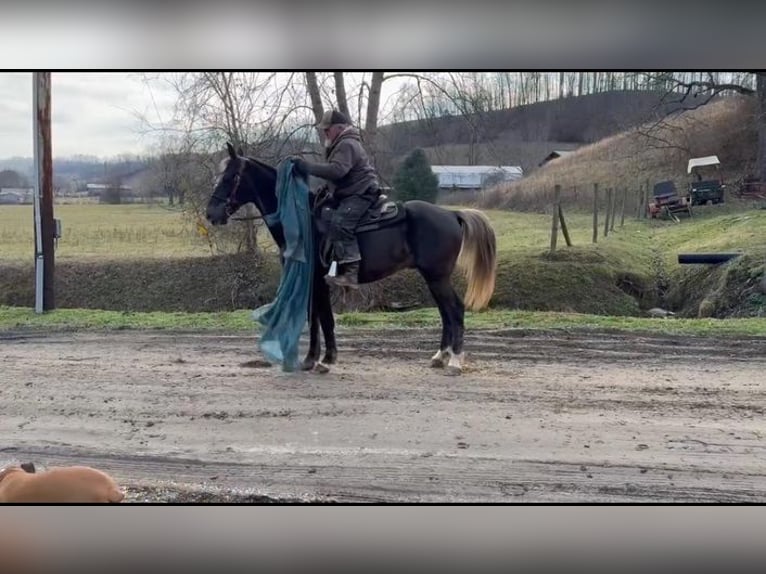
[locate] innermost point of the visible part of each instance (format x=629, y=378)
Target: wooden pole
x=595, y=213
x=606, y=218
x=44, y=224
x=564, y=229
x=622, y=208
x=555, y=218
x=647, y=194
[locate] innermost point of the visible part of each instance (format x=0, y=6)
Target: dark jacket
x=348, y=169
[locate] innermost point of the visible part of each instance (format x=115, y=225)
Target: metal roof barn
x=475, y=176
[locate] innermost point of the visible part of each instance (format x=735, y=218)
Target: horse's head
x=230, y=192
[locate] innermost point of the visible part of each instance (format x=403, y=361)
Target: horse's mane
x=261, y=163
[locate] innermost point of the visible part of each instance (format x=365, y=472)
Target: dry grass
x=101, y=232
x=630, y=159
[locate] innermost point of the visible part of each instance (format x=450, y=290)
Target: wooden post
x=647, y=195
x=608, y=203
x=564, y=229
x=45, y=226
x=555, y=218
x=622, y=208
x=595, y=213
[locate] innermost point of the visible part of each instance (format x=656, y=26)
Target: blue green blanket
x=285, y=318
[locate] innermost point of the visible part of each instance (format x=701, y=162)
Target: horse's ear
x=239, y=151
x=230, y=149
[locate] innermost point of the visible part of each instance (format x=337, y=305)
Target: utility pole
x=44, y=224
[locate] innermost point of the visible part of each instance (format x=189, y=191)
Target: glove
x=300, y=167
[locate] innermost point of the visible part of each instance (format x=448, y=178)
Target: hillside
x=631, y=158
x=522, y=135
x=78, y=169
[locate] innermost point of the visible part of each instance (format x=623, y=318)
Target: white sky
x=91, y=113
x=96, y=113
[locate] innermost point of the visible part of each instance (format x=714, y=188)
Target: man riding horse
x=352, y=182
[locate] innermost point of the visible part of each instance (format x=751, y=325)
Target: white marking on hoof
x=441, y=357
x=455, y=365
x=321, y=368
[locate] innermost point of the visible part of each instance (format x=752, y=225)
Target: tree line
x=271, y=115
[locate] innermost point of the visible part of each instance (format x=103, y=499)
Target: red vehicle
x=666, y=202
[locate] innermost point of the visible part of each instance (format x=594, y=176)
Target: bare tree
x=340, y=93
x=694, y=91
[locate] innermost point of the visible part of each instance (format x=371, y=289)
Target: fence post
x=622, y=208
x=555, y=218
x=606, y=218
x=595, y=213
x=564, y=229
x=646, y=200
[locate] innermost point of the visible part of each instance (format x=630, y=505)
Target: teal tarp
x=286, y=316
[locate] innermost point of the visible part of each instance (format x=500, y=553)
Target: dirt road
x=536, y=417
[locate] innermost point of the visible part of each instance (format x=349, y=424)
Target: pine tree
x=415, y=180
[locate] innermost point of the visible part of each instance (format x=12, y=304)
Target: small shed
x=474, y=177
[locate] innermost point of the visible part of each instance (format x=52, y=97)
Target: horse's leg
x=455, y=365
x=324, y=308
x=314, y=343
x=440, y=290
x=452, y=310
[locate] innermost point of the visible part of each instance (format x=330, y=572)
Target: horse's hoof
x=453, y=371
x=437, y=363
x=330, y=358
x=321, y=368
x=308, y=364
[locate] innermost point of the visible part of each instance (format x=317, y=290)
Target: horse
x=396, y=236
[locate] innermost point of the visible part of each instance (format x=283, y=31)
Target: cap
x=332, y=117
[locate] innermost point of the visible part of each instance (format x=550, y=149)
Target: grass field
x=104, y=231
x=135, y=231
x=584, y=278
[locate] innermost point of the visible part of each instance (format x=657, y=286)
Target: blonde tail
x=478, y=258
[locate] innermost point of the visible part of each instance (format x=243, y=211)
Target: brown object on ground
x=71, y=484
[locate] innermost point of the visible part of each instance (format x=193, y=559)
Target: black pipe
x=709, y=258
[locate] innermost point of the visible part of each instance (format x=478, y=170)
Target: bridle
x=231, y=206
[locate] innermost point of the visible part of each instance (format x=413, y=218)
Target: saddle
x=381, y=213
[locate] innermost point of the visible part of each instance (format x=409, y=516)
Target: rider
x=352, y=181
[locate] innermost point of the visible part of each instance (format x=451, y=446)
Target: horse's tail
x=478, y=257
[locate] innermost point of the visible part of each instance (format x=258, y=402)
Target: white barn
x=474, y=177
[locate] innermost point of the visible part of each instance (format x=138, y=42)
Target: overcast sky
x=92, y=113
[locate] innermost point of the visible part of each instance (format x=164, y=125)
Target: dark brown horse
x=426, y=237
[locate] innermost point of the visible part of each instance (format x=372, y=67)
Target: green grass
x=99, y=231
x=588, y=278
x=15, y=318
x=714, y=229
